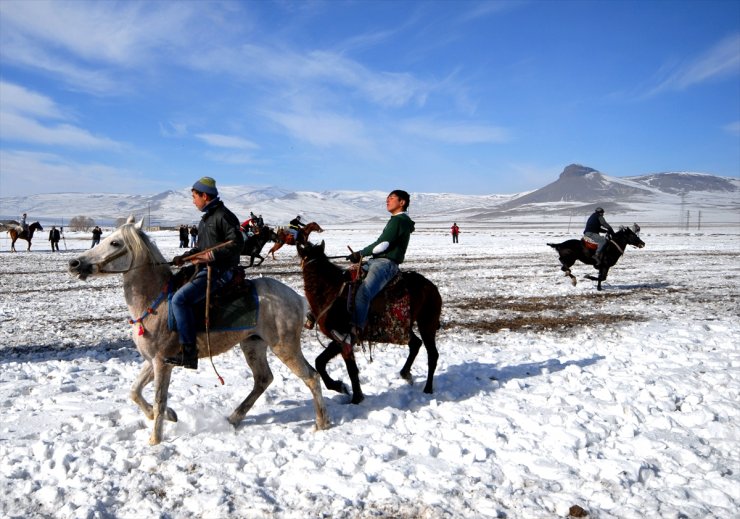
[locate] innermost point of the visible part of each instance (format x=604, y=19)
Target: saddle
x=235, y=306
x=589, y=243
x=389, y=319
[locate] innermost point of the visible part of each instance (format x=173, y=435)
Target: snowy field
x=624, y=402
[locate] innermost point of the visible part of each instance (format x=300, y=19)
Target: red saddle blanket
x=589, y=244
x=390, y=314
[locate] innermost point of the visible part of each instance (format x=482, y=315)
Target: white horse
x=129, y=251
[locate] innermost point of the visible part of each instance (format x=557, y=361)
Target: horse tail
x=554, y=245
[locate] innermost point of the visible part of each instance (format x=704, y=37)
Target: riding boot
x=597, y=259
x=188, y=357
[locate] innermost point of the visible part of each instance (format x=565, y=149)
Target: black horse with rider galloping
x=571, y=251
x=254, y=244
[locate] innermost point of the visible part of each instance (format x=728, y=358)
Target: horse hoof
x=407, y=377
x=357, y=399
x=344, y=389
x=170, y=415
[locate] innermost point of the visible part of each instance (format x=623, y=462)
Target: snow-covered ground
x=624, y=402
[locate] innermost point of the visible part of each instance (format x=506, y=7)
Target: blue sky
x=453, y=96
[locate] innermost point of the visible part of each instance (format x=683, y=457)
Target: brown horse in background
x=325, y=286
x=16, y=234
x=285, y=237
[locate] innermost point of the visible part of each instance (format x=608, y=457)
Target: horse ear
x=130, y=219
x=321, y=246
x=140, y=224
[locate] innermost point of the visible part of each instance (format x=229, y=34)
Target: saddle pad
x=227, y=313
x=589, y=243
x=390, y=316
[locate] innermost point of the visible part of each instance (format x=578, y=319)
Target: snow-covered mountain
x=664, y=197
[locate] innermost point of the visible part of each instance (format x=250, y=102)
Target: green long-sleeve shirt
x=397, y=233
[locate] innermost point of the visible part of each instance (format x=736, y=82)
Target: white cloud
x=19, y=100
x=455, y=132
x=732, y=128
x=32, y=172
x=227, y=141
x=324, y=129
x=722, y=60
x=15, y=127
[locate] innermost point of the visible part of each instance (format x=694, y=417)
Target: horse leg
x=274, y=249
x=255, y=352
x=414, y=347
x=261, y=260
x=429, y=336
x=146, y=375
x=292, y=356
x=331, y=351
x=354, y=376
x=566, y=268
x=162, y=374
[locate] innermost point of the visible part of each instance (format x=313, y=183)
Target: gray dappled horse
x=129, y=251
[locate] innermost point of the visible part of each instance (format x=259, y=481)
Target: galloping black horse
x=324, y=282
x=254, y=244
x=572, y=250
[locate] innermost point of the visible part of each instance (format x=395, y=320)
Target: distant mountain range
x=663, y=197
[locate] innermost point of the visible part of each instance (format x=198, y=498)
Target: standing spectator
x=96, y=233
x=183, y=237
x=455, y=231
x=54, y=237
x=193, y=235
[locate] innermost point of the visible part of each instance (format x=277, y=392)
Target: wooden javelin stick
x=220, y=245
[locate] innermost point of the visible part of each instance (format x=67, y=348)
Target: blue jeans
x=379, y=272
x=191, y=293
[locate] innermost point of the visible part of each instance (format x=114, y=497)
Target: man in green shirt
x=387, y=252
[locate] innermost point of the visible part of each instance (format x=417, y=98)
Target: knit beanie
x=206, y=185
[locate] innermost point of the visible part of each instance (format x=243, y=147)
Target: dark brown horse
x=326, y=288
x=571, y=251
x=16, y=234
x=254, y=244
x=285, y=237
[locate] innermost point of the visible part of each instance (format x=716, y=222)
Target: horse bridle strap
x=621, y=251
x=112, y=257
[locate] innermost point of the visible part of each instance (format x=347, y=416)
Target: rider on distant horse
x=388, y=251
x=594, y=227
x=218, y=225
x=295, y=226
x=24, y=224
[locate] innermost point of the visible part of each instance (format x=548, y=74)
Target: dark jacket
x=397, y=233
x=54, y=235
x=216, y=226
x=597, y=224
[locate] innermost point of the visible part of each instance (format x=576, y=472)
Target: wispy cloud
x=22, y=116
x=37, y=172
x=324, y=129
x=19, y=100
x=455, y=132
x=84, y=43
x=722, y=60
x=227, y=141
x=732, y=128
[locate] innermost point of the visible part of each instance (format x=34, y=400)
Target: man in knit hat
x=218, y=225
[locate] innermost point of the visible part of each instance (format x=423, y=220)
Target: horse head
x=126, y=248
x=631, y=236
x=309, y=251
x=35, y=226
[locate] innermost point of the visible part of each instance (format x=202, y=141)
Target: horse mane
x=141, y=247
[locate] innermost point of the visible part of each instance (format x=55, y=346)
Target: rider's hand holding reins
x=355, y=257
